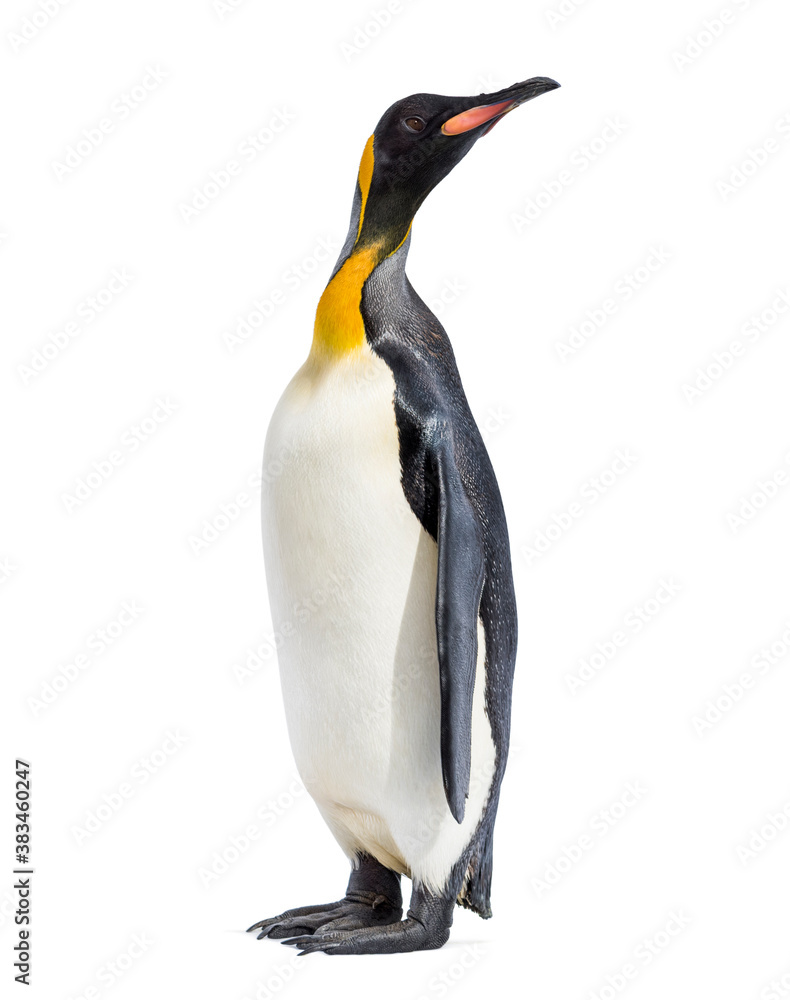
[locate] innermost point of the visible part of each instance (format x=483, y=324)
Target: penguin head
x=417, y=143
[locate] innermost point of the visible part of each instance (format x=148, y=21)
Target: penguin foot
x=373, y=899
x=406, y=935
x=345, y=914
x=427, y=926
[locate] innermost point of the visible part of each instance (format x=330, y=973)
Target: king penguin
x=388, y=568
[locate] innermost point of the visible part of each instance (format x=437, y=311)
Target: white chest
x=352, y=585
x=351, y=572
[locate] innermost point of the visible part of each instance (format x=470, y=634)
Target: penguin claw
x=266, y=926
x=331, y=943
x=256, y=926
x=310, y=944
x=285, y=927
x=316, y=914
x=278, y=928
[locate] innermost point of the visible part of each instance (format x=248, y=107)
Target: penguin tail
x=475, y=893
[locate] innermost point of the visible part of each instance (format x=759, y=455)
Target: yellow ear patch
x=365, y=177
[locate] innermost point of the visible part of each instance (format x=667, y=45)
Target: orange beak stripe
x=474, y=117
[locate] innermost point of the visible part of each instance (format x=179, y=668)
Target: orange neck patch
x=339, y=327
x=338, y=322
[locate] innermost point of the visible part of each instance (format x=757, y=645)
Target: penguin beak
x=492, y=107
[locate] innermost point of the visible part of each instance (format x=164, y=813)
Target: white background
x=513, y=290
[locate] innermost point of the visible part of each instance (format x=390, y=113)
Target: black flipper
x=451, y=488
x=459, y=585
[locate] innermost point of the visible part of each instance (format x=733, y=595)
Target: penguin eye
x=414, y=124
